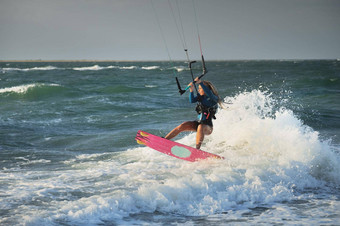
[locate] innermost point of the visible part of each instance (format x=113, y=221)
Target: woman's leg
x=185, y=126
x=201, y=131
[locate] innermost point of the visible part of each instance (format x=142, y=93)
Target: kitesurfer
x=207, y=100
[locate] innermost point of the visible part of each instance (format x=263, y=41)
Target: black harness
x=209, y=112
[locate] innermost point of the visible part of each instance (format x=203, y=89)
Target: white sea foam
x=32, y=162
x=97, y=68
x=270, y=155
x=17, y=89
x=128, y=67
x=150, y=86
x=91, y=68
x=150, y=68
x=46, y=68
x=181, y=68
x=24, y=88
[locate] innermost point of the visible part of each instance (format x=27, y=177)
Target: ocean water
x=68, y=154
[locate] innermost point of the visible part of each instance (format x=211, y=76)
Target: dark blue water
x=68, y=155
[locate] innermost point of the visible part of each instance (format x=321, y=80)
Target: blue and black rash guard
x=209, y=100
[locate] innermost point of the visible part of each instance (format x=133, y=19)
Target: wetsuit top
x=208, y=100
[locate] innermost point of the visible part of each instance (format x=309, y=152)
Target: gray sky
x=128, y=29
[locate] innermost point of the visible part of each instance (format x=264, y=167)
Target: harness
x=209, y=112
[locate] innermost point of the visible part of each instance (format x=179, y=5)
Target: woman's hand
x=191, y=87
x=197, y=80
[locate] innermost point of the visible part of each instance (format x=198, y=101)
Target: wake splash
x=253, y=131
x=271, y=158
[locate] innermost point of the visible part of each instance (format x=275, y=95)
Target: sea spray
x=253, y=128
x=269, y=159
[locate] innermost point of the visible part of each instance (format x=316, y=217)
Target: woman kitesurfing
x=207, y=99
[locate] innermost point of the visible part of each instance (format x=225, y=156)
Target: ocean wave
x=275, y=136
x=97, y=68
x=128, y=67
x=86, y=68
x=133, y=67
x=92, y=68
x=46, y=68
x=17, y=89
x=25, y=88
x=180, y=68
x=150, y=67
x=150, y=86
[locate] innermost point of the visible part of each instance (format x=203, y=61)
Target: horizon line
x=179, y=60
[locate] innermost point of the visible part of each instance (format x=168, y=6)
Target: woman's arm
x=208, y=92
x=192, y=98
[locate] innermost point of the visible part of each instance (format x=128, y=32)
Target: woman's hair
x=214, y=90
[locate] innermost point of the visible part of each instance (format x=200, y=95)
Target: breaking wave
x=22, y=89
x=93, y=68
x=270, y=157
x=46, y=68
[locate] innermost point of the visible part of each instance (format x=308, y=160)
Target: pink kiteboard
x=172, y=148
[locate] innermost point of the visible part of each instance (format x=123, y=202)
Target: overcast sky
x=128, y=29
